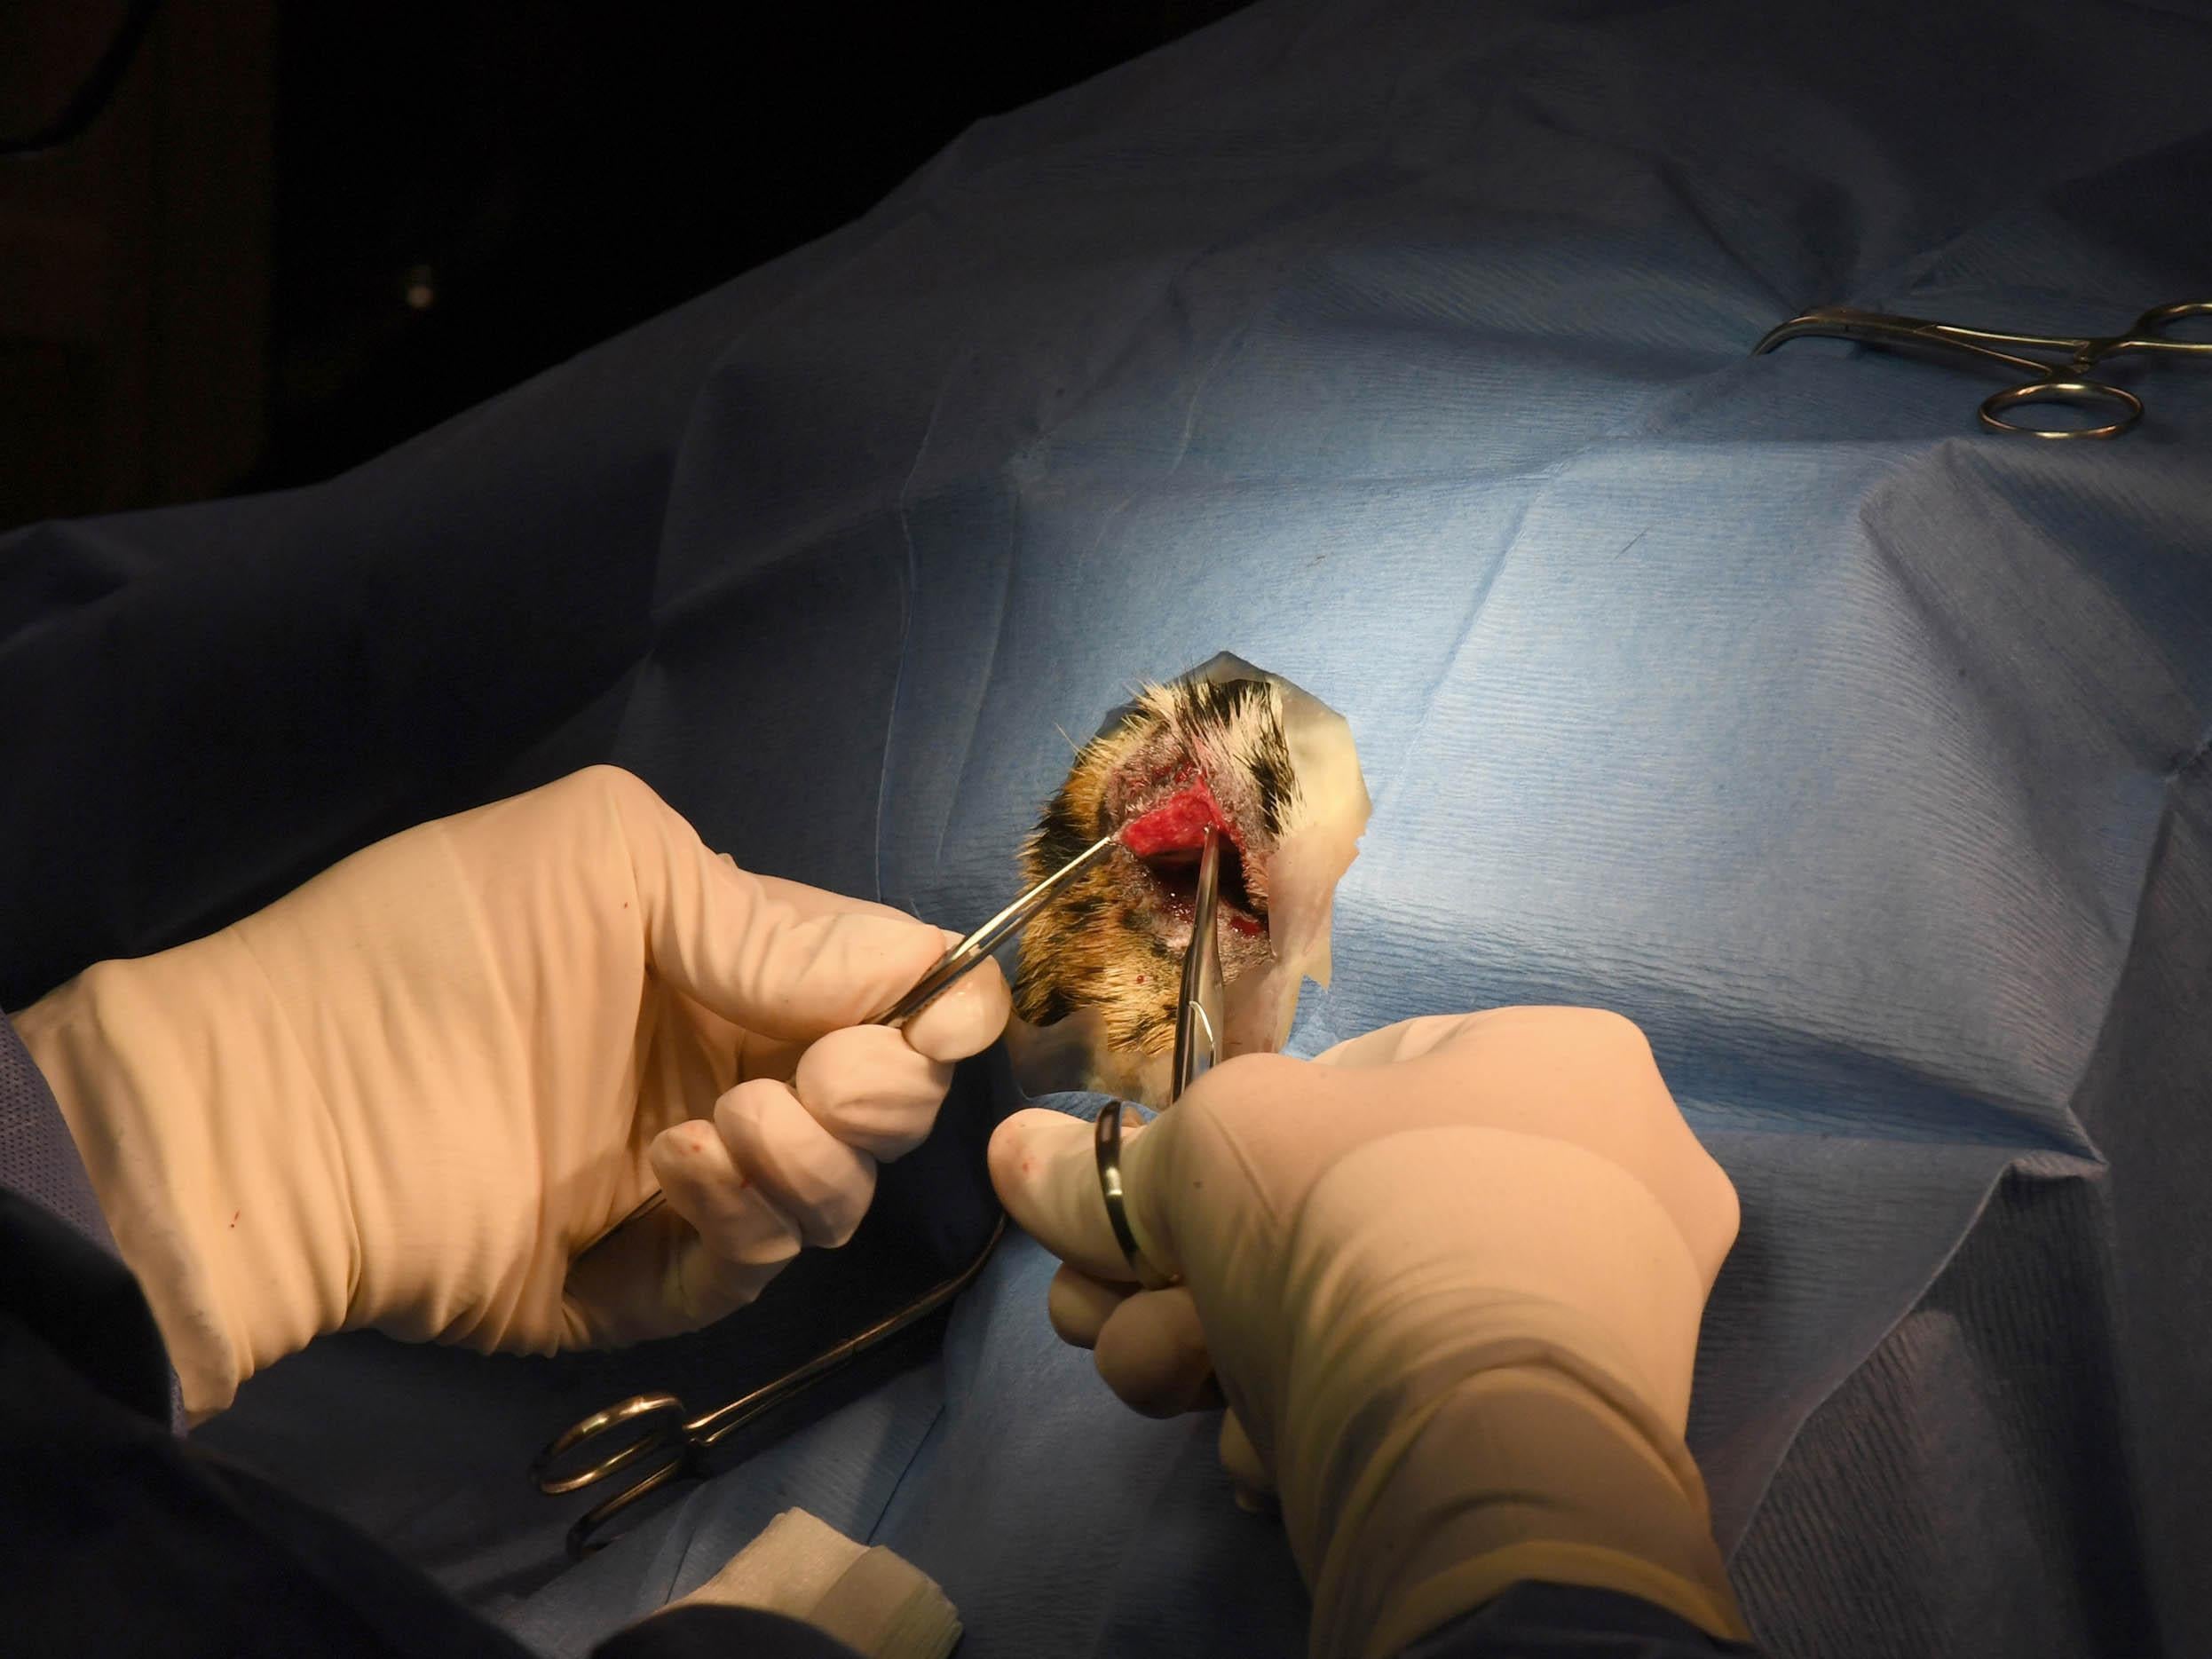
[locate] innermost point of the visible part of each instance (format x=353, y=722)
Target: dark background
x=299, y=232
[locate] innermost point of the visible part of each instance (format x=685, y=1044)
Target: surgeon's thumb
x=1045, y=1167
x=746, y=948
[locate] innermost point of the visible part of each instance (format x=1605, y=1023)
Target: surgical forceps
x=657, y=1426
x=1198, y=1022
x=2066, y=381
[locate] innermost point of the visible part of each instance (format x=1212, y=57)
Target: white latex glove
x=1449, y=1277
x=405, y=1095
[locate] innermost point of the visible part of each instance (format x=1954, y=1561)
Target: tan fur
x=1103, y=943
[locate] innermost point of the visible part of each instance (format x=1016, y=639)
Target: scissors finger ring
x=1197, y=1038
x=661, y=1416
x=1106, y=1145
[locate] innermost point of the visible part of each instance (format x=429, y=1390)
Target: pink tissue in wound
x=1177, y=825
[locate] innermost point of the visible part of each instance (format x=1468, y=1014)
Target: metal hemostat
x=2066, y=382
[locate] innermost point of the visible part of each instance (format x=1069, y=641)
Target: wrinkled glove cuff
x=219, y=1208
x=1535, y=1471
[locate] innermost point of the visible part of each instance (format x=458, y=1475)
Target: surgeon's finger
x=1046, y=1170
x=809, y=902
x=806, y=1173
x=704, y=1286
x=743, y=1240
x=705, y=1187
x=1247, y=1471
x=760, y=1056
x=1152, y=1351
x=1077, y=1305
x=868, y=1087
x=1408, y=1039
x=786, y=966
x=655, y=1279
x=965, y=1018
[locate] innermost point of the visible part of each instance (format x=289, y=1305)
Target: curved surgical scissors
x=2066, y=381
x=1199, y=1023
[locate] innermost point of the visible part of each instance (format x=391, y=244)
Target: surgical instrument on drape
x=656, y=1426
x=2066, y=381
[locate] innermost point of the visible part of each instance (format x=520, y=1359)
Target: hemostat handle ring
x=2077, y=394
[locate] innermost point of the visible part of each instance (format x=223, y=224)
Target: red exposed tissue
x=1177, y=825
x=1173, y=834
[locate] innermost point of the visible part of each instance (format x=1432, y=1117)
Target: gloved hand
x=405, y=1095
x=1450, y=1277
